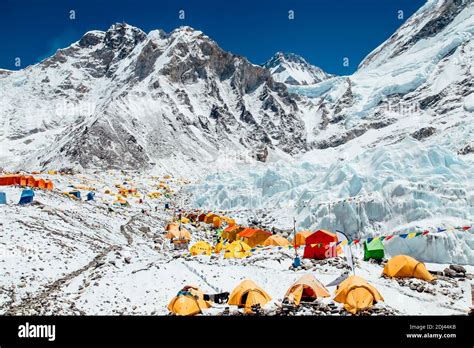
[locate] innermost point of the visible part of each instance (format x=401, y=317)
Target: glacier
x=401, y=188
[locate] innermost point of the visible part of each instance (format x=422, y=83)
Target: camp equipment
x=90, y=196
x=76, y=194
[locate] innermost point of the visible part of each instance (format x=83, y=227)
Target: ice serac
x=127, y=99
x=293, y=69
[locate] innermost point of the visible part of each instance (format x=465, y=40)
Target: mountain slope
x=393, y=149
x=292, y=69
x=421, y=77
x=126, y=98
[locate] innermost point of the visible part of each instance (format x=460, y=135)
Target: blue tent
x=3, y=198
x=75, y=193
x=90, y=196
x=26, y=196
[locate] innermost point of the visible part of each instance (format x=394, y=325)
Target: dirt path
x=38, y=303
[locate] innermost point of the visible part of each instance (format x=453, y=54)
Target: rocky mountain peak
x=293, y=69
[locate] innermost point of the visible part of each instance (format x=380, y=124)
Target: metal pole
x=294, y=236
x=350, y=248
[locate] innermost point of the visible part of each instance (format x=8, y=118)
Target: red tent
x=10, y=180
x=318, y=245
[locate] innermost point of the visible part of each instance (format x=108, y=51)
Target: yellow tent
x=300, y=238
x=307, y=288
x=189, y=301
x=237, y=249
x=403, y=266
x=228, y=220
x=248, y=294
x=276, y=240
x=182, y=234
x=218, y=247
x=200, y=248
x=185, y=220
x=216, y=222
x=356, y=294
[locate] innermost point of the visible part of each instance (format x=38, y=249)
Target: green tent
x=374, y=250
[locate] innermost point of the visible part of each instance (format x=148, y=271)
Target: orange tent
x=216, y=222
x=201, y=217
x=248, y=294
x=307, y=288
x=209, y=218
x=230, y=233
x=404, y=266
x=253, y=237
x=356, y=294
x=300, y=238
x=40, y=183
x=28, y=181
x=10, y=180
x=179, y=234
x=172, y=226
x=49, y=185
x=276, y=240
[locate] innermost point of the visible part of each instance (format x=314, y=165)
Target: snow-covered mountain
x=126, y=99
x=392, y=145
x=293, y=69
x=419, y=80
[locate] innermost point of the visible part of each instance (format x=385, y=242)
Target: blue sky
x=322, y=31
